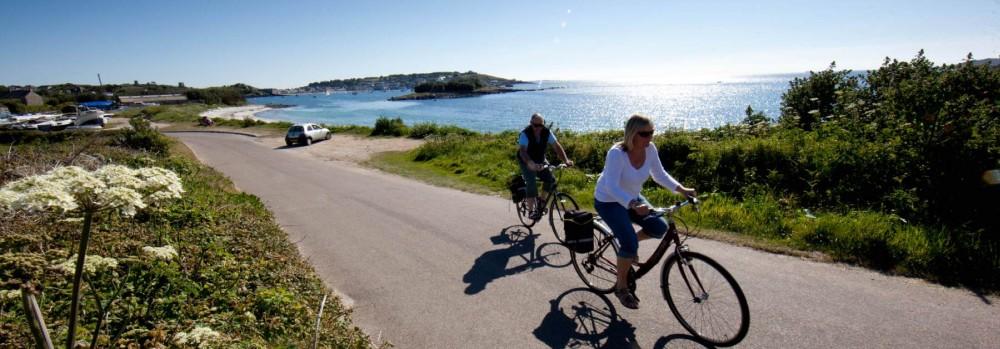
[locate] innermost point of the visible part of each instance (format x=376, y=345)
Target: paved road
x=426, y=267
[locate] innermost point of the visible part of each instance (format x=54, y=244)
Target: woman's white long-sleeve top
x=621, y=183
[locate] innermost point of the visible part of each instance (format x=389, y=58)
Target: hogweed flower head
x=200, y=337
x=92, y=264
x=10, y=295
x=165, y=253
x=69, y=188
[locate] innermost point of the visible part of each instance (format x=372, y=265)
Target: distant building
x=151, y=99
x=28, y=97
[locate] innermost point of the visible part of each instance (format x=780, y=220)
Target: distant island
x=462, y=93
x=470, y=84
x=400, y=82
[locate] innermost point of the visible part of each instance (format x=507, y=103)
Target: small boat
x=88, y=118
x=58, y=124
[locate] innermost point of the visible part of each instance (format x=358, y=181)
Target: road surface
x=429, y=267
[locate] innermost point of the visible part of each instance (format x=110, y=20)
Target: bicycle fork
x=699, y=295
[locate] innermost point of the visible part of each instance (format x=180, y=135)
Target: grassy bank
x=484, y=163
x=885, y=170
x=235, y=270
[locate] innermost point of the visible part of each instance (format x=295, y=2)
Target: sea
x=569, y=105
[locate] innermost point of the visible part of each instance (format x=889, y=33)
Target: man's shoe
x=536, y=215
x=627, y=299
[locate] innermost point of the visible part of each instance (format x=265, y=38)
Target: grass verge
x=235, y=270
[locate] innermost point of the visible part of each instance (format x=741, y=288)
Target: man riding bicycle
x=533, y=142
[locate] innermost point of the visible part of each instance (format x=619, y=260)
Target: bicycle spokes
x=705, y=299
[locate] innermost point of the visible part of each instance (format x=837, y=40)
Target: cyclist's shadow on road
x=518, y=244
x=581, y=318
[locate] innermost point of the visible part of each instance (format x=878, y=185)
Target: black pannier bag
x=518, y=190
x=579, y=230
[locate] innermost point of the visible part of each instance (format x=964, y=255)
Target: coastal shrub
x=352, y=129
x=812, y=100
x=142, y=136
x=423, y=130
x=389, y=127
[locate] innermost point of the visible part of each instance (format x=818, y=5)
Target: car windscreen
x=296, y=129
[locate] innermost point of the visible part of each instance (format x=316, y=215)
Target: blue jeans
x=548, y=181
x=620, y=220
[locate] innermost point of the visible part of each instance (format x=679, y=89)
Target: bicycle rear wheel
x=706, y=299
x=561, y=203
x=599, y=268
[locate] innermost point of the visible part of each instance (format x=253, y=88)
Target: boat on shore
x=82, y=118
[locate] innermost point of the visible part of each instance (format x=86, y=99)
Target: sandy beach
x=238, y=113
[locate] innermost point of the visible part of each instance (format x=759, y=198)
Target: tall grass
x=760, y=187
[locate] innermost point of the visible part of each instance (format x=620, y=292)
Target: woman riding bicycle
x=619, y=202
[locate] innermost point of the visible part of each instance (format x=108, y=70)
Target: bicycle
x=710, y=287
x=555, y=201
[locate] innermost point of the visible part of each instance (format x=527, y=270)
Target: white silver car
x=306, y=134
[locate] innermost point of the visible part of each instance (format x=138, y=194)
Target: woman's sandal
x=626, y=298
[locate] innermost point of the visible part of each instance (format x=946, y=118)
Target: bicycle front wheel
x=561, y=203
x=599, y=268
x=705, y=299
x=524, y=214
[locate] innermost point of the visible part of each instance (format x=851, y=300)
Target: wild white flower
x=118, y=176
x=91, y=264
x=44, y=196
x=199, y=336
x=125, y=199
x=10, y=295
x=111, y=187
x=161, y=184
x=165, y=253
x=7, y=198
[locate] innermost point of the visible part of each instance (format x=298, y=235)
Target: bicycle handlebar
x=553, y=167
x=666, y=211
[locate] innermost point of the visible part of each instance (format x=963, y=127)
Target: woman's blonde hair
x=632, y=126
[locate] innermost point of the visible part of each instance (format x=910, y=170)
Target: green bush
x=142, y=136
x=389, y=127
x=427, y=129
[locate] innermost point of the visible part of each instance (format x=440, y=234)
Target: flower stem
x=77, y=279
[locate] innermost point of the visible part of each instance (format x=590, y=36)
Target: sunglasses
x=537, y=125
x=645, y=134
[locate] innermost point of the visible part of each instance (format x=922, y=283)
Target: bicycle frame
x=670, y=238
x=555, y=188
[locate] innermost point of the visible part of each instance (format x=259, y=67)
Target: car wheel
x=327, y=136
x=288, y=143
x=309, y=141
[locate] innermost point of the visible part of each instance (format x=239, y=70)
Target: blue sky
x=292, y=43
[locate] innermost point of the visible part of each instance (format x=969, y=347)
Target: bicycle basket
x=579, y=230
x=518, y=190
